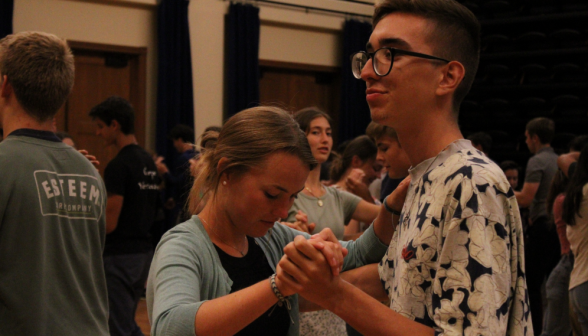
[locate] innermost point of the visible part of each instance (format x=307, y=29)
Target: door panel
x=297, y=88
x=103, y=71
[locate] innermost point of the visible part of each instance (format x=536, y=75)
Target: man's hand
x=91, y=158
x=161, y=167
x=306, y=269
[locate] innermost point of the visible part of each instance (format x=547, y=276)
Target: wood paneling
x=96, y=79
x=292, y=87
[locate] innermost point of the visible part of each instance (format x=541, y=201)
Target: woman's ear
x=356, y=162
x=222, y=165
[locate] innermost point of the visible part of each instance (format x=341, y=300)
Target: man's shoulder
x=469, y=171
x=469, y=164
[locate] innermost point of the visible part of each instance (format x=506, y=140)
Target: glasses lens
x=358, y=61
x=383, y=62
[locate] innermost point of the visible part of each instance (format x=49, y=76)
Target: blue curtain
x=242, y=55
x=355, y=112
x=175, y=102
x=6, y=9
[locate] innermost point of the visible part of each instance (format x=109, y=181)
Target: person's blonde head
x=245, y=141
x=40, y=69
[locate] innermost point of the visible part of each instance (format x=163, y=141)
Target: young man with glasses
x=455, y=264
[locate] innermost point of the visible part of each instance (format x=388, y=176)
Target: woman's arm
x=179, y=298
x=365, y=212
x=230, y=313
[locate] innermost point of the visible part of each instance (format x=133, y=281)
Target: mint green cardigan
x=186, y=271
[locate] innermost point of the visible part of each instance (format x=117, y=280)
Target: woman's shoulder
x=189, y=236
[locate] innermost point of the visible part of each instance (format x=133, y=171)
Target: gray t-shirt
x=540, y=169
x=338, y=207
x=52, y=231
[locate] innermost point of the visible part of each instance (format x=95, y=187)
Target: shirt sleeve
x=478, y=274
x=115, y=177
x=176, y=280
x=534, y=173
x=349, y=203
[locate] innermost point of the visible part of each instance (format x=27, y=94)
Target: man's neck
x=14, y=120
x=124, y=140
x=428, y=139
x=541, y=146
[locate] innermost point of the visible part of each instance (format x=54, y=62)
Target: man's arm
x=565, y=160
x=306, y=267
x=365, y=278
x=526, y=195
x=114, y=205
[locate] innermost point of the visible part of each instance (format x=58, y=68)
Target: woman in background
x=353, y=171
x=575, y=213
x=556, y=321
x=325, y=207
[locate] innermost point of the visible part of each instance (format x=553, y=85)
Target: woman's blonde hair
x=246, y=140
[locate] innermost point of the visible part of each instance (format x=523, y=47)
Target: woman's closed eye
x=270, y=196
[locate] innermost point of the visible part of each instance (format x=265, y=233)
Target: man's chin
x=379, y=117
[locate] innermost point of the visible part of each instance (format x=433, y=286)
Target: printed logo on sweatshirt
x=69, y=195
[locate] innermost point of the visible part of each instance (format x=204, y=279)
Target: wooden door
x=101, y=73
x=294, y=86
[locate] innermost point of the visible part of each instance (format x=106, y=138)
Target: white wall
x=286, y=35
x=126, y=23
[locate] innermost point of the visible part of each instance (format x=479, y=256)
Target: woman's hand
x=354, y=184
x=329, y=246
x=301, y=223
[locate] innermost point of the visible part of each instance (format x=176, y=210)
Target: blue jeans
x=557, y=315
x=579, y=298
x=125, y=280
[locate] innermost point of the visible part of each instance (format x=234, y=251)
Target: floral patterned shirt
x=456, y=260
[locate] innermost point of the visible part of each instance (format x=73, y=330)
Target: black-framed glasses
x=383, y=60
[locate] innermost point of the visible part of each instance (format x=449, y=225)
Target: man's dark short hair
x=508, y=165
x=579, y=143
x=544, y=128
x=186, y=133
x=376, y=131
x=455, y=35
x=116, y=108
x=483, y=139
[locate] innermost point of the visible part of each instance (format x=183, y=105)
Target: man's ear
x=115, y=125
x=451, y=76
x=5, y=87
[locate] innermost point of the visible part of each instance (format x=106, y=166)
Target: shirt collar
x=545, y=149
x=38, y=134
x=429, y=164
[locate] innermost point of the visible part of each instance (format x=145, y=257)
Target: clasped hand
x=310, y=264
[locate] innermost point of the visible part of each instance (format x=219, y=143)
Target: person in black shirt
x=178, y=180
x=132, y=184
